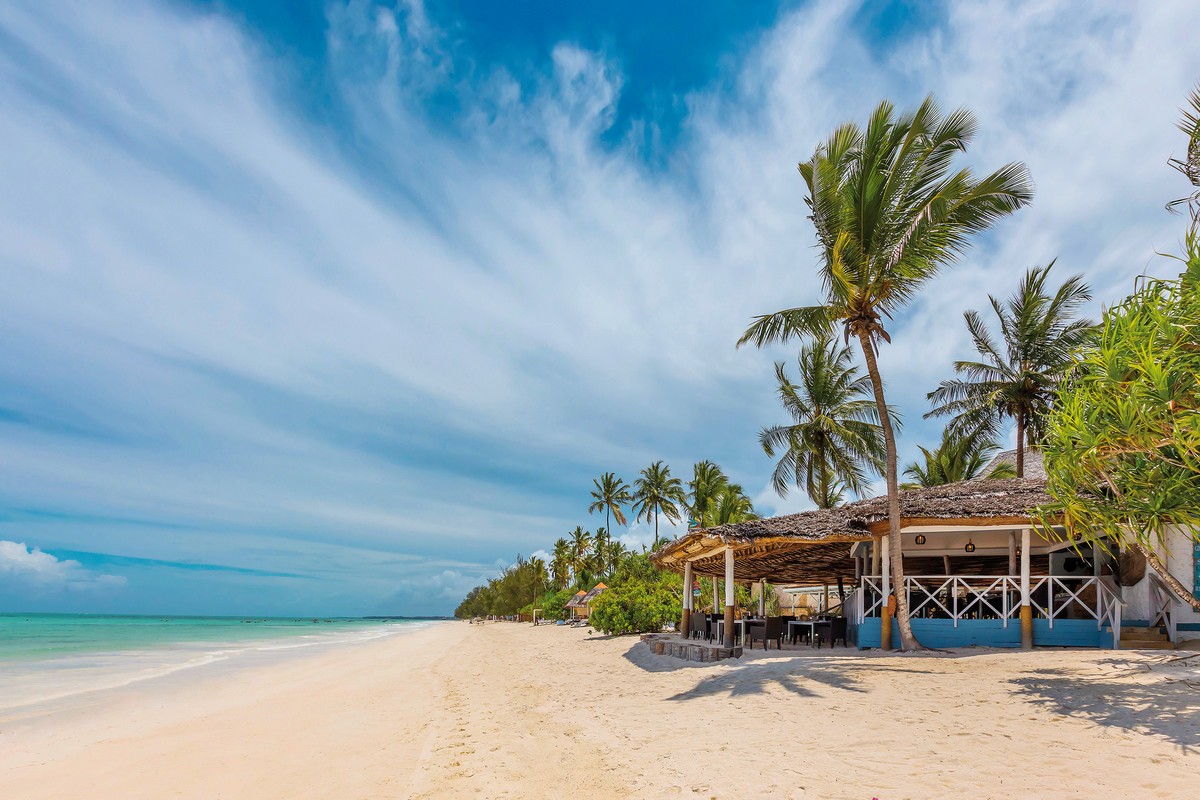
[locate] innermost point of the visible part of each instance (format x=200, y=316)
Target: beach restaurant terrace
x=977, y=569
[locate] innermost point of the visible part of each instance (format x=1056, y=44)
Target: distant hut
x=590, y=598
x=576, y=603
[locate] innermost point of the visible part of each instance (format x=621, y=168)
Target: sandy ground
x=506, y=710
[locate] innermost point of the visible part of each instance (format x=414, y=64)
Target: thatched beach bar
x=978, y=571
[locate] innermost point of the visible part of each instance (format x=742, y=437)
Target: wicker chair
x=768, y=630
x=832, y=631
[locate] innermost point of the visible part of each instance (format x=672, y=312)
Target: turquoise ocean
x=47, y=657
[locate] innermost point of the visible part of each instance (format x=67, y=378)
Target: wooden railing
x=959, y=597
x=1162, y=604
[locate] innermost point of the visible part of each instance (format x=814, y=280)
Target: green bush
x=550, y=605
x=635, y=607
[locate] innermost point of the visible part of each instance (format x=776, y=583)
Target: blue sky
x=333, y=308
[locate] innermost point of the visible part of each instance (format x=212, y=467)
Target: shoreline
x=512, y=710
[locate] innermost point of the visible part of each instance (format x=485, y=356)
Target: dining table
x=808, y=623
x=740, y=624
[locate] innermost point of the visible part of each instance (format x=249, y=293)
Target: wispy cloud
x=29, y=569
x=398, y=346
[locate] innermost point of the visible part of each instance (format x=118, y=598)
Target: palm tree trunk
x=907, y=640
x=1020, y=443
x=656, y=529
x=1177, y=588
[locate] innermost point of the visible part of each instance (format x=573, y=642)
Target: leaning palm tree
x=610, y=495
x=581, y=547
x=655, y=492
x=835, y=436
x=889, y=213
x=707, y=480
x=1017, y=379
x=560, y=563
x=961, y=456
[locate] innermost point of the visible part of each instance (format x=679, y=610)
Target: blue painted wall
x=992, y=633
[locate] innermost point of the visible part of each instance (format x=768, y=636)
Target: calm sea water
x=26, y=637
x=50, y=656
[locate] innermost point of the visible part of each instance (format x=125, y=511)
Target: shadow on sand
x=1166, y=706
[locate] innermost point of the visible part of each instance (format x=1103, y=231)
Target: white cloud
x=30, y=567
x=428, y=336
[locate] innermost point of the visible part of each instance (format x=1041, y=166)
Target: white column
x=762, y=598
x=1025, y=566
x=885, y=567
x=729, y=588
x=716, y=596
x=687, y=585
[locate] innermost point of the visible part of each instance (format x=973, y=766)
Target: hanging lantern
x=970, y=548
x=920, y=538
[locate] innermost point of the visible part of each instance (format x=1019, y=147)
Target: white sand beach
x=506, y=710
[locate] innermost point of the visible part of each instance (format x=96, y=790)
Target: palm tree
x=610, y=495
x=959, y=457
x=581, y=546
x=729, y=505
x=707, y=481
x=1040, y=335
x=560, y=563
x=889, y=214
x=1189, y=166
x=539, y=578
x=599, y=557
x=835, y=435
x=655, y=492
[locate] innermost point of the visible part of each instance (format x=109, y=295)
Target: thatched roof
x=813, y=546
x=577, y=600
x=1035, y=468
x=596, y=591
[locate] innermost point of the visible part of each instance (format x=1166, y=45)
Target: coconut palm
x=959, y=457
x=599, y=556
x=1017, y=378
x=610, y=495
x=729, y=505
x=656, y=493
x=581, y=547
x=835, y=437
x=560, y=563
x=889, y=214
x=707, y=480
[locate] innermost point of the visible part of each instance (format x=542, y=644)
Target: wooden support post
x=885, y=619
x=825, y=598
x=729, y=595
x=1026, y=609
x=946, y=565
x=876, y=546
x=1012, y=552
x=1097, y=555
x=762, y=598
x=858, y=569
x=685, y=623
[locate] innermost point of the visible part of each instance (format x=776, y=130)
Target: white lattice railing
x=959, y=597
x=1162, y=605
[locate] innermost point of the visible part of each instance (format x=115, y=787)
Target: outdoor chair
x=831, y=631
x=768, y=630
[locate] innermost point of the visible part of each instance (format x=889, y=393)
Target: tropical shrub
x=635, y=607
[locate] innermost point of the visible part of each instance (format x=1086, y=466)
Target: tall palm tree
x=655, y=492
x=560, y=563
x=610, y=495
x=581, y=547
x=1017, y=378
x=961, y=456
x=599, y=556
x=835, y=436
x=889, y=214
x=707, y=481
